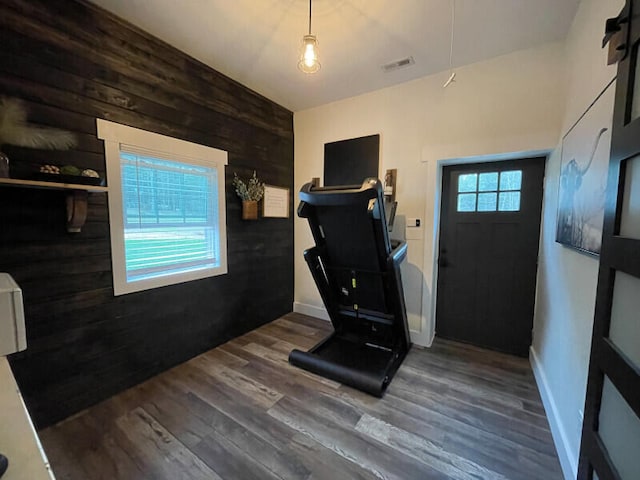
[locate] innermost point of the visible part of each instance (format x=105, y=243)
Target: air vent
x=398, y=64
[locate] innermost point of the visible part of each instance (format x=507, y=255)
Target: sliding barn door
x=611, y=433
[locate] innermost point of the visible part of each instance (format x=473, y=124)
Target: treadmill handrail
x=334, y=195
x=399, y=253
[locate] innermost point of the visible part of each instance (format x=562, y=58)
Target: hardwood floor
x=240, y=411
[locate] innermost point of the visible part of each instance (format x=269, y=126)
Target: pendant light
x=309, y=62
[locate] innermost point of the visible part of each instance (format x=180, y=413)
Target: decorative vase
x=249, y=210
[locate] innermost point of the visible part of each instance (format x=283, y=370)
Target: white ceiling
x=256, y=42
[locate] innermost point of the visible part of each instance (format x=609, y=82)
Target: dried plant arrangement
x=251, y=191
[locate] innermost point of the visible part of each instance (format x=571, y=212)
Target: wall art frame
x=583, y=176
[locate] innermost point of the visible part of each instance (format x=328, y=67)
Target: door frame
x=433, y=209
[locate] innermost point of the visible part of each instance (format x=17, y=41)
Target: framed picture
x=275, y=202
x=583, y=176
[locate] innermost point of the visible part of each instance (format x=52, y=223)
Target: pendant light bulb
x=309, y=62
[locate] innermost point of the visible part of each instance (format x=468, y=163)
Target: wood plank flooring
x=240, y=411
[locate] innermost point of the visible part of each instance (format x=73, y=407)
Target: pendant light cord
x=309, y=17
x=453, y=22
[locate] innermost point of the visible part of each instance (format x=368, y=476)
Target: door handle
x=442, y=258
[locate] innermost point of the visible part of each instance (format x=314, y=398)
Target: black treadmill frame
x=356, y=353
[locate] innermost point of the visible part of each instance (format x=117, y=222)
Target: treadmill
x=356, y=268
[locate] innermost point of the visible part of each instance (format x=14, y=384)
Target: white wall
x=525, y=101
x=567, y=279
x=512, y=103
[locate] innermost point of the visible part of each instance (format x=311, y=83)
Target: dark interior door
x=488, y=253
x=610, y=447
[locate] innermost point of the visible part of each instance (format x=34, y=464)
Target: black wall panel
x=349, y=162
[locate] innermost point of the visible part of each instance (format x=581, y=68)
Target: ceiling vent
x=398, y=64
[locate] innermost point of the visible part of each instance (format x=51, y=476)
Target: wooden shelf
x=14, y=182
x=76, y=197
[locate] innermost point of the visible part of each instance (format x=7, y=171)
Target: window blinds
x=170, y=214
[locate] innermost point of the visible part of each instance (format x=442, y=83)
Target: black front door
x=610, y=448
x=488, y=252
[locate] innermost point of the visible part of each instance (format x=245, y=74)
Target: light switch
x=414, y=229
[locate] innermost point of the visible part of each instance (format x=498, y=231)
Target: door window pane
x=624, y=331
x=495, y=191
x=509, y=202
x=488, y=182
x=635, y=105
x=467, y=202
x=619, y=429
x=468, y=182
x=511, y=180
x=487, y=201
x=630, y=214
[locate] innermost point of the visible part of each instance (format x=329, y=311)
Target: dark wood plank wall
x=71, y=63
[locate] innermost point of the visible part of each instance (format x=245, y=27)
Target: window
x=166, y=208
x=489, y=191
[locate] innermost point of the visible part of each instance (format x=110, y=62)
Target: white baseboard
x=568, y=463
x=419, y=338
x=311, y=310
x=320, y=312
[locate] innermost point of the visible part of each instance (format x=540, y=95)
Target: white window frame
x=116, y=135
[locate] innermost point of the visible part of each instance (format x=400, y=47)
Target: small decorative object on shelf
x=250, y=193
x=68, y=174
x=15, y=130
